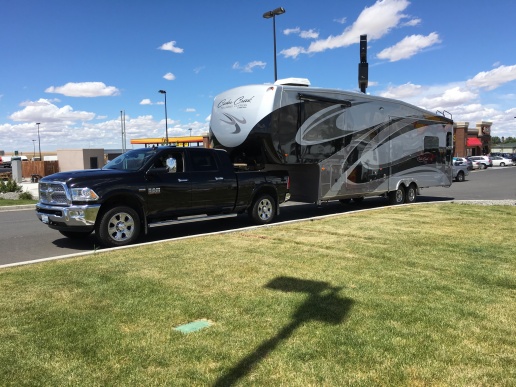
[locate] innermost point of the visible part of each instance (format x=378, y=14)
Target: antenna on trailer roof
x=363, y=66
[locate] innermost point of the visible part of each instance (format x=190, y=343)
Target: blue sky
x=74, y=65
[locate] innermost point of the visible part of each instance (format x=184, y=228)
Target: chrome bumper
x=73, y=216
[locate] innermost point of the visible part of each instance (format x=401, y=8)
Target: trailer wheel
x=411, y=194
x=118, y=226
x=263, y=209
x=398, y=196
x=460, y=176
x=75, y=234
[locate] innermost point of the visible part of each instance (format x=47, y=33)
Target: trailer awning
x=473, y=141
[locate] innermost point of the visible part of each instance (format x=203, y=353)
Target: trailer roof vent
x=293, y=82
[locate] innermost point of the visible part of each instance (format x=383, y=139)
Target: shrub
x=9, y=186
x=26, y=196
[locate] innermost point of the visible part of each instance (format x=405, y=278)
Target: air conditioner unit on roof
x=293, y=82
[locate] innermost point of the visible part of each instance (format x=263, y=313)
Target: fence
x=41, y=168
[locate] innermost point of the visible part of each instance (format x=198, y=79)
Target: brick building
x=472, y=141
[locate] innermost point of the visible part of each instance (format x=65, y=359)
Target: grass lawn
x=15, y=202
x=404, y=296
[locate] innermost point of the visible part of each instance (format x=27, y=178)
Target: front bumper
x=63, y=218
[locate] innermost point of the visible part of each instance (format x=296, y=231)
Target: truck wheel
x=460, y=176
x=398, y=196
x=118, y=226
x=75, y=234
x=263, y=209
x=411, y=194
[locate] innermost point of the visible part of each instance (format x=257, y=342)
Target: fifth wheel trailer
x=336, y=145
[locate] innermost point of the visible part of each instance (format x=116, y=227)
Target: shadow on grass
x=322, y=304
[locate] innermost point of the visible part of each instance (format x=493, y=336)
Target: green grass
x=404, y=296
x=15, y=202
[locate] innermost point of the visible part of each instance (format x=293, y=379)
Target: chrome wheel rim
x=264, y=209
x=121, y=226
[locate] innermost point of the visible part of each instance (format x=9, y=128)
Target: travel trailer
x=336, y=145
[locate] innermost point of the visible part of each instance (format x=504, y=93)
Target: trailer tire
x=75, y=234
x=398, y=196
x=411, y=194
x=118, y=226
x=263, y=209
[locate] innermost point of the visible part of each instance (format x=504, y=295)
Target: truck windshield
x=132, y=160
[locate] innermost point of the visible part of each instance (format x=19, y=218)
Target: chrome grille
x=53, y=193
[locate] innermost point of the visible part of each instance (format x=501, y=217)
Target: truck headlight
x=84, y=195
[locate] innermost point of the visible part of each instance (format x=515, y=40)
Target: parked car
x=500, y=161
x=484, y=161
x=464, y=161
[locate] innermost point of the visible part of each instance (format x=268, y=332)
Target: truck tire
x=75, y=234
x=460, y=176
x=397, y=197
x=411, y=194
x=263, y=209
x=118, y=226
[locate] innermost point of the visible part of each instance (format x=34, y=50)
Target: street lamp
x=39, y=141
x=34, y=146
x=166, y=119
x=268, y=15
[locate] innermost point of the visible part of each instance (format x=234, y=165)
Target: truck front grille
x=53, y=193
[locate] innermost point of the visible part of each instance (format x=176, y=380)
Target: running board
x=191, y=219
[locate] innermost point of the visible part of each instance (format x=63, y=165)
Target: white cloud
x=171, y=46
x=375, y=21
x=197, y=70
x=310, y=34
x=490, y=80
x=169, y=76
x=450, y=98
x=342, y=20
x=190, y=110
x=289, y=31
x=402, y=92
x=145, y=101
x=45, y=111
x=248, y=68
x=408, y=47
x=84, y=89
x=305, y=34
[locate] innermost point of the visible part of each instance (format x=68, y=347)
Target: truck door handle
x=182, y=180
x=219, y=178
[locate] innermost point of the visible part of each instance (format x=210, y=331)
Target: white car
x=500, y=161
x=485, y=161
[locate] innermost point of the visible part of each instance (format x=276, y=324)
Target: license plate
x=44, y=218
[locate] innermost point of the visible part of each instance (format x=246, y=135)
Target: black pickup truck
x=150, y=187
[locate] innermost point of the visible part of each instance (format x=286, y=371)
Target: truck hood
x=87, y=177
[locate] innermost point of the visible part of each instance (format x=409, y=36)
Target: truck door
x=169, y=190
x=213, y=188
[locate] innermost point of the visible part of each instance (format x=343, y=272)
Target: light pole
x=34, y=146
x=39, y=141
x=166, y=118
x=268, y=15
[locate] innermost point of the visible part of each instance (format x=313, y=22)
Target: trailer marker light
x=193, y=326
